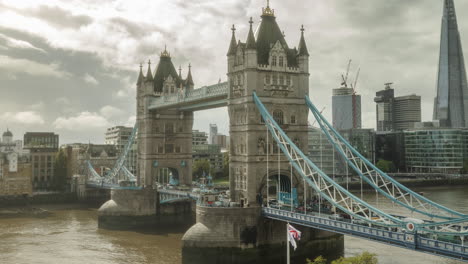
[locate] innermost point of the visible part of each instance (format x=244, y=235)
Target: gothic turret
x=141, y=77
x=233, y=44
x=303, y=53
x=189, y=81
x=302, y=44
x=149, y=74
x=251, y=49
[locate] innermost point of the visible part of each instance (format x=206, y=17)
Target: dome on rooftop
x=7, y=133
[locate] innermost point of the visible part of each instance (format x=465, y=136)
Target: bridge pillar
x=242, y=235
x=128, y=209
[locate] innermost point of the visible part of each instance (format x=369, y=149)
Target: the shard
x=451, y=103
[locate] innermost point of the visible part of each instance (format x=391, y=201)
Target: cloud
x=82, y=122
x=17, y=43
x=23, y=118
x=111, y=112
x=15, y=66
x=90, y=79
x=60, y=17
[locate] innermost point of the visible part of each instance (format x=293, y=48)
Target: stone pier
x=134, y=209
x=242, y=235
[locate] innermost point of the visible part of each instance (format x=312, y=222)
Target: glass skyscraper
x=451, y=103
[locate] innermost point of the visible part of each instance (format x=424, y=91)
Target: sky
x=70, y=66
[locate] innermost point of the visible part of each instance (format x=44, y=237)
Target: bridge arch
x=284, y=184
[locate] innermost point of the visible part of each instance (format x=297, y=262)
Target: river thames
x=71, y=236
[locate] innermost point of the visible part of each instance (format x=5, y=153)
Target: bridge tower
x=264, y=64
x=164, y=136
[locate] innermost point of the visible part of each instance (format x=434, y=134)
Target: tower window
x=172, y=89
x=281, y=61
x=293, y=119
x=268, y=79
x=278, y=116
x=273, y=61
x=281, y=80
x=288, y=80
x=238, y=80
x=275, y=79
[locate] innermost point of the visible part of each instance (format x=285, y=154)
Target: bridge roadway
x=401, y=239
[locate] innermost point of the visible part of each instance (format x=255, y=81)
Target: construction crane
x=345, y=78
x=353, y=85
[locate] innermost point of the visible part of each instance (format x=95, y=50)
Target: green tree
x=364, y=258
x=199, y=167
x=465, y=166
x=60, y=171
x=386, y=165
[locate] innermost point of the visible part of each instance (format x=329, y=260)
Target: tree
x=385, y=165
x=199, y=167
x=60, y=171
x=364, y=258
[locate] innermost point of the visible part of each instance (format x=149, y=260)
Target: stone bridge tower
x=164, y=137
x=264, y=64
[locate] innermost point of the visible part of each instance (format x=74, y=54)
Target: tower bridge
x=267, y=96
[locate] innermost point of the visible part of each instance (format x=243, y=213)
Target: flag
x=293, y=235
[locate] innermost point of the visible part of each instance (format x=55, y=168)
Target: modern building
x=119, y=137
x=363, y=140
x=406, y=111
x=222, y=141
x=213, y=133
x=436, y=150
x=320, y=151
x=346, y=109
x=43, y=147
x=390, y=146
x=451, y=102
x=199, y=138
x=396, y=113
x=209, y=152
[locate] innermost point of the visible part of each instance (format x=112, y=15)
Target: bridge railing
x=187, y=96
x=400, y=238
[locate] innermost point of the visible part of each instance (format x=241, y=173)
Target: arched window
x=278, y=116
x=273, y=61
x=281, y=61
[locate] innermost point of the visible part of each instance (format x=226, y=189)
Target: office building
x=436, y=150
x=320, y=151
x=390, y=146
x=363, y=140
x=119, y=137
x=396, y=113
x=43, y=147
x=451, y=102
x=199, y=138
x=346, y=109
x=209, y=152
x=213, y=133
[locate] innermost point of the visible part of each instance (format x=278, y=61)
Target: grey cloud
x=61, y=17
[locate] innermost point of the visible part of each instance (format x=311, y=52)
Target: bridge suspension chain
x=381, y=182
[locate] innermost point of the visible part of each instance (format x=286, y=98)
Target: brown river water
x=71, y=236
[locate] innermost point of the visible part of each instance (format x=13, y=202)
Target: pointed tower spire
x=451, y=103
x=189, y=79
x=149, y=74
x=302, y=44
x=251, y=44
x=233, y=45
x=141, y=77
